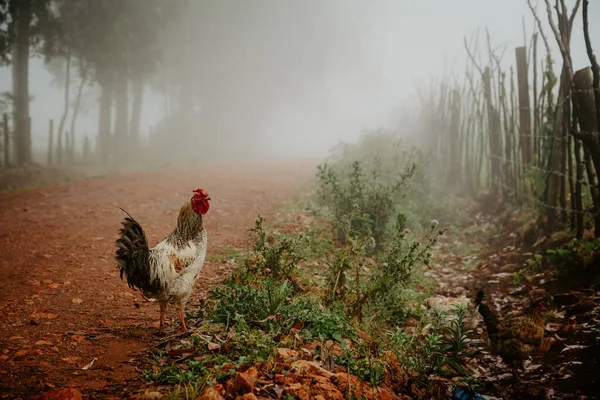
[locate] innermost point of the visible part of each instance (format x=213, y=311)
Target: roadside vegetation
x=330, y=299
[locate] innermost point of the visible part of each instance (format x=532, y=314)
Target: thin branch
x=472, y=58
x=539, y=24
x=574, y=12
x=559, y=40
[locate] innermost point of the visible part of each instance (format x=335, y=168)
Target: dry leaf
x=213, y=346
x=89, y=365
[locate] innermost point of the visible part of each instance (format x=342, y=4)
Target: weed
x=457, y=344
x=273, y=255
x=360, y=363
x=190, y=371
x=361, y=204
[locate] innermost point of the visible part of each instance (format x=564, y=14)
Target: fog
x=293, y=78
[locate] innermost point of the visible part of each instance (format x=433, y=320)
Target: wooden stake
x=50, y=140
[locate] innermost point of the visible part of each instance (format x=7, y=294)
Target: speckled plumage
x=168, y=271
x=514, y=338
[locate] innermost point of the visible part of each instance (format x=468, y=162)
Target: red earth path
x=62, y=304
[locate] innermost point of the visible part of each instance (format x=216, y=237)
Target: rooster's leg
x=181, y=319
x=163, y=307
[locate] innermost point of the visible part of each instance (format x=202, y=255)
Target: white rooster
x=168, y=271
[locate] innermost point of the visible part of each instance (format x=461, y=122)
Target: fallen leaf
x=278, y=389
x=213, y=346
x=573, y=347
x=89, y=365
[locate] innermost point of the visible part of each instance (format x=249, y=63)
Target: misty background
x=293, y=78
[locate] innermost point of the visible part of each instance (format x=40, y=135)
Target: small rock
x=241, y=384
x=297, y=391
x=284, y=354
x=212, y=393
x=310, y=368
x=252, y=372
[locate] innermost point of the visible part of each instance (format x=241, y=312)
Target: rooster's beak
x=208, y=198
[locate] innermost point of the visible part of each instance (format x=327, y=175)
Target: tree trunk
x=78, y=101
x=136, y=110
x=104, y=120
x=21, y=83
x=63, y=119
x=121, y=117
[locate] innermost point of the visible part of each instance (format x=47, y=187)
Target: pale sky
x=370, y=55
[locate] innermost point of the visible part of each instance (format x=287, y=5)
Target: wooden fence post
x=6, y=140
x=86, y=149
x=50, y=141
x=585, y=107
x=493, y=132
x=524, y=107
x=67, y=151
x=72, y=148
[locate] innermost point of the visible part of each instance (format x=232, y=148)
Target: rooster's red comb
x=201, y=192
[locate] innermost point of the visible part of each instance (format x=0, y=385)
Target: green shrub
x=273, y=255
x=361, y=204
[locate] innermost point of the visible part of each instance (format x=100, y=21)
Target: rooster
x=168, y=271
x=514, y=339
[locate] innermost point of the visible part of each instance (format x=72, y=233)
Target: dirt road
x=62, y=304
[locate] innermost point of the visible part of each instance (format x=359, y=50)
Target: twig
x=559, y=39
x=471, y=57
x=539, y=24
x=574, y=12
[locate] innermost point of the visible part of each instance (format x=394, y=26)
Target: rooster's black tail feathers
x=133, y=256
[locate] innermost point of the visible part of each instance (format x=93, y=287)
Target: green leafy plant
x=457, y=342
x=274, y=255
x=361, y=204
